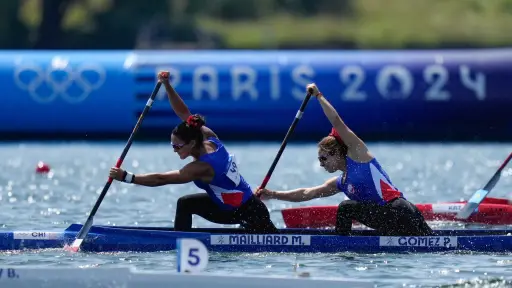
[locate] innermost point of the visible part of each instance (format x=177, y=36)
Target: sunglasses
x=177, y=146
x=322, y=158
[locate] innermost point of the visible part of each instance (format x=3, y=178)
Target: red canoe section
x=492, y=211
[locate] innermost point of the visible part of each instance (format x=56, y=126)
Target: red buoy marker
x=42, y=168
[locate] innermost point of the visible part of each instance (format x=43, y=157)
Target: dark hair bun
x=196, y=121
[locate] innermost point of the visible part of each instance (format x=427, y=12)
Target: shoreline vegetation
x=255, y=24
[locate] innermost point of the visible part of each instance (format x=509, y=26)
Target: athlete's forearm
x=331, y=113
x=150, y=179
x=177, y=104
x=296, y=195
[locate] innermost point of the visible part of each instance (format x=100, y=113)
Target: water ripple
x=425, y=172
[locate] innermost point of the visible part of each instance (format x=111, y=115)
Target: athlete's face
x=180, y=147
x=327, y=160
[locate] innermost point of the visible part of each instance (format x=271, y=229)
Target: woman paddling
x=373, y=199
x=228, y=198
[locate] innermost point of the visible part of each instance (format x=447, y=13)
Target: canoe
x=151, y=239
x=493, y=211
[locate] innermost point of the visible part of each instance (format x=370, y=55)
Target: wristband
x=128, y=177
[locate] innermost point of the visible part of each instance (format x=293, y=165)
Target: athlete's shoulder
x=207, y=132
x=215, y=144
x=197, y=169
x=338, y=181
x=360, y=157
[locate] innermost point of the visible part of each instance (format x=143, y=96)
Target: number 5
x=192, y=255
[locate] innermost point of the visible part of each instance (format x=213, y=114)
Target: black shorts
x=398, y=217
x=253, y=215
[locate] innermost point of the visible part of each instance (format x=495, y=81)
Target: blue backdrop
x=255, y=94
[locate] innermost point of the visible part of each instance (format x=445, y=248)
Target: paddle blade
x=74, y=247
x=472, y=204
x=479, y=195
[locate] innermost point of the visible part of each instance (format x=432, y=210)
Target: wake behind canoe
x=151, y=239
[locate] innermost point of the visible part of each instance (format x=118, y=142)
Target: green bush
x=373, y=24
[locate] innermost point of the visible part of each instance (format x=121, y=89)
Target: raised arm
x=178, y=105
x=328, y=188
x=353, y=142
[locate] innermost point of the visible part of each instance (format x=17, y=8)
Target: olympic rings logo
x=59, y=79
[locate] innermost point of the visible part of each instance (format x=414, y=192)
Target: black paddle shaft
x=86, y=226
x=285, y=141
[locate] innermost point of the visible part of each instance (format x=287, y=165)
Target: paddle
x=479, y=195
x=87, y=226
x=285, y=141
